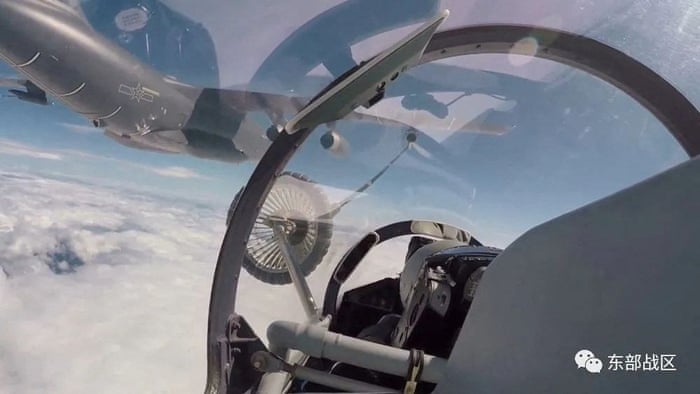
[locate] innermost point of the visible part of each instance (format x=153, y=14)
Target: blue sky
x=494, y=186
x=577, y=141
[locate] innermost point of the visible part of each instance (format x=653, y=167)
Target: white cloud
x=129, y=312
x=170, y=171
x=175, y=172
x=13, y=148
x=107, y=291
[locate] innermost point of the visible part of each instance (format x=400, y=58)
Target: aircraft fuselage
x=60, y=52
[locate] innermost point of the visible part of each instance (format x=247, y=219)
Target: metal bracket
x=269, y=363
x=237, y=346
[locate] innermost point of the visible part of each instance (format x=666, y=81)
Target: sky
x=54, y=140
x=114, y=248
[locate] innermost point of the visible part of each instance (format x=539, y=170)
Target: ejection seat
x=619, y=278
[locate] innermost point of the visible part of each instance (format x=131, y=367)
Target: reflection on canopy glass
x=375, y=227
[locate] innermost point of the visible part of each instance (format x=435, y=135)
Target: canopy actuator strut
x=316, y=341
x=268, y=363
x=300, y=284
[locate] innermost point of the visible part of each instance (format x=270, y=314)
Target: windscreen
x=494, y=153
x=494, y=144
x=130, y=130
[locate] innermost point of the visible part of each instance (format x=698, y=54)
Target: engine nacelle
x=32, y=97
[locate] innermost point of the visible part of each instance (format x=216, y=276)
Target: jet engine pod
x=34, y=97
x=333, y=142
x=304, y=212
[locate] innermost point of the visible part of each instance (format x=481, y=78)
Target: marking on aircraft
x=74, y=91
x=151, y=91
x=112, y=114
x=139, y=93
x=131, y=19
x=30, y=61
x=142, y=129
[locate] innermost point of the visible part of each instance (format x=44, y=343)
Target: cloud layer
x=9, y=147
x=102, y=290
x=107, y=290
x=176, y=172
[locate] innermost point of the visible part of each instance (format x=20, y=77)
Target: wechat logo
x=586, y=359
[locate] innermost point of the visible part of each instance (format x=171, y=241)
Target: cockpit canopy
x=513, y=116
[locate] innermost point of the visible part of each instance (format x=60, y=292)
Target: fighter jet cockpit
x=357, y=251
x=361, y=196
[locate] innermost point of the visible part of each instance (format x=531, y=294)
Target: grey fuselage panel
x=58, y=51
x=618, y=278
